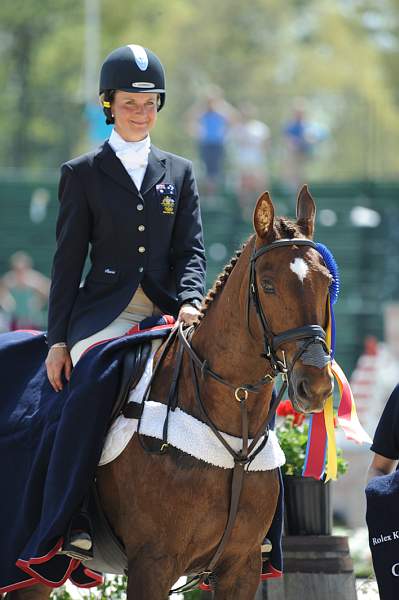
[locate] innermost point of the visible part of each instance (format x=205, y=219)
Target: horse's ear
x=264, y=215
x=305, y=212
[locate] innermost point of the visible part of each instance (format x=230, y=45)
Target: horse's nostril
x=312, y=396
x=302, y=390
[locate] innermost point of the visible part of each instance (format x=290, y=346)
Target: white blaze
x=300, y=268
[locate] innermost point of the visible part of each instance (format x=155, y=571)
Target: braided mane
x=220, y=281
x=283, y=228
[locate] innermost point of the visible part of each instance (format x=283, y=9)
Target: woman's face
x=134, y=114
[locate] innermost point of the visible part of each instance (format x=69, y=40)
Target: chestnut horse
x=170, y=510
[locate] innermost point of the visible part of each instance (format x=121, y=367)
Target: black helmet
x=134, y=69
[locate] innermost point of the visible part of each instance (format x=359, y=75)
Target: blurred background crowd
x=266, y=94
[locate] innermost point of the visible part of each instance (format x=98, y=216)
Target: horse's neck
x=223, y=339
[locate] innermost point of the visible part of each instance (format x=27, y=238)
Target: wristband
x=59, y=345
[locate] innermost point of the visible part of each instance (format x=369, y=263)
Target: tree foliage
x=340, y=55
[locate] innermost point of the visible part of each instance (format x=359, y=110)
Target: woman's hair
x=109, y=96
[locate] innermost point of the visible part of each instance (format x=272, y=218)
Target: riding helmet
x=134, y=69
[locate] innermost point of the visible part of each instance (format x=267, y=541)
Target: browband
x=284, y=242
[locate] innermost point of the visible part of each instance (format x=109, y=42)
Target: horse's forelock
x=285, y=228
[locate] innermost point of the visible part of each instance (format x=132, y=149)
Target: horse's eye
x=268, y=286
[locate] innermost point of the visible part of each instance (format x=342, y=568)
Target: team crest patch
x=166, y=192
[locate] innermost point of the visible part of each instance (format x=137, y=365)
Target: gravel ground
x=359, y=550
x=367, y=589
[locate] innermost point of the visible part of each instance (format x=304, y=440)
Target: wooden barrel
x=316, y=567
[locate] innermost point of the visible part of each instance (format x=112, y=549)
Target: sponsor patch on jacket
x=166, y=193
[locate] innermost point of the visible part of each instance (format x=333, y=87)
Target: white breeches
x=138, y=308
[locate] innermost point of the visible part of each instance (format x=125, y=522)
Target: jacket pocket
x=105, y=274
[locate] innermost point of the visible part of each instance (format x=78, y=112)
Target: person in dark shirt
x=382, y=494
x=386, y=439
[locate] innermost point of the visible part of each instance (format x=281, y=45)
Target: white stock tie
x=132, y=159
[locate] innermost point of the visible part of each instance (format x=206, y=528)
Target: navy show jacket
x=152, y=237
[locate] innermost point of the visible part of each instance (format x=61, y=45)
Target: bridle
x=310, y=334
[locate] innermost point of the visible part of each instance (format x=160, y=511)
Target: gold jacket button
x=141, y=249
x=141, y=228
x=140, y=206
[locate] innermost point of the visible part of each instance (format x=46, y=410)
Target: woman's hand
x=188, y=314
x=58, y=361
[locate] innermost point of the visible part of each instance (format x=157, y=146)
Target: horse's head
x=290, y=284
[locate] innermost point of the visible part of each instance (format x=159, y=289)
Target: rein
x=310, y=334
x=247, y=453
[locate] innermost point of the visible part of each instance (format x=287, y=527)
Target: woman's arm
x=188, y=243
x=381, y=465
x=73, y=234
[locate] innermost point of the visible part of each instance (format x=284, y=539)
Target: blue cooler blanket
x=50, y=445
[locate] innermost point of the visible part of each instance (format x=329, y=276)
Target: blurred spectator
x=29, y=291
x=7, y=307
x=209, y=123
x=250, y=141
x=301, y=136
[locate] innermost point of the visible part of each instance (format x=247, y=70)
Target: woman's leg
x=78, y=539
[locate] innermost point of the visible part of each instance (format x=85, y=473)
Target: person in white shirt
x=250, y=141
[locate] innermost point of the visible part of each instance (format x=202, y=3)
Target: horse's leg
x=36, y=592
x=150, y=577
x=239, y=581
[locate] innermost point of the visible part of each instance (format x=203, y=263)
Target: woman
x=382, y=494
x=137, y=208
x=386, y=439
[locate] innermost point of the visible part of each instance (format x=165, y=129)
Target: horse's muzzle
x=309, y=391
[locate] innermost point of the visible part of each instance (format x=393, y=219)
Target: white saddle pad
x=184, y=432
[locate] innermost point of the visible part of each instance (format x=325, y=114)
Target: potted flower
x=308, y=509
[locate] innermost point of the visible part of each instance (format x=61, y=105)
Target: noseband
x=310, y=334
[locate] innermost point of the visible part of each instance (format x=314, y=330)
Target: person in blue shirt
x=210, y=126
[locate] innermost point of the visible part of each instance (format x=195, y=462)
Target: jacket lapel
x=112, y=166
x=155, y=169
